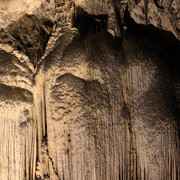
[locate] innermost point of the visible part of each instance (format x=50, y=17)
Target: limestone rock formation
x=163, y=14
x=89, y=89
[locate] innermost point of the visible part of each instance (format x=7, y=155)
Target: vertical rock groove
x=146, y=10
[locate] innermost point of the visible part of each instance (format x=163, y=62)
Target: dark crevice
x=158, y=5
x=146, y=2
x=54, y=169
x=45, y=113
x=88, y=24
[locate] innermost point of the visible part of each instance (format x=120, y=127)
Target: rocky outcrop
x=163, y=14
x=87, y=93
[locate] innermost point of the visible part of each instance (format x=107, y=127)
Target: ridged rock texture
x=89, y=89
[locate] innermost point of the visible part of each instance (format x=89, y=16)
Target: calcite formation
x=89, y=89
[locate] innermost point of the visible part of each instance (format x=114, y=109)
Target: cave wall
x=81, y=97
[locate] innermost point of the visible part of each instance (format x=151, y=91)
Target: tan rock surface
x=77, y=103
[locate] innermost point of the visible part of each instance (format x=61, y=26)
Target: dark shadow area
x=163, y=42
x=88, y=24
x=161, y=38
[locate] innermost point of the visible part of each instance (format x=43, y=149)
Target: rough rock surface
x=81, y=97
x=164, y=14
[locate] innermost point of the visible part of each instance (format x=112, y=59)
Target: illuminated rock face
x=77, y=103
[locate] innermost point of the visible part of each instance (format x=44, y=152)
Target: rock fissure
x=55, y=171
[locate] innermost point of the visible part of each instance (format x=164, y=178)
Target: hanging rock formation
x=89, y=89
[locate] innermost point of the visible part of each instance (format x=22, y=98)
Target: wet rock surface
x=88, y=93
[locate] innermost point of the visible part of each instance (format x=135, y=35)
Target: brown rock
x=77, y=102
